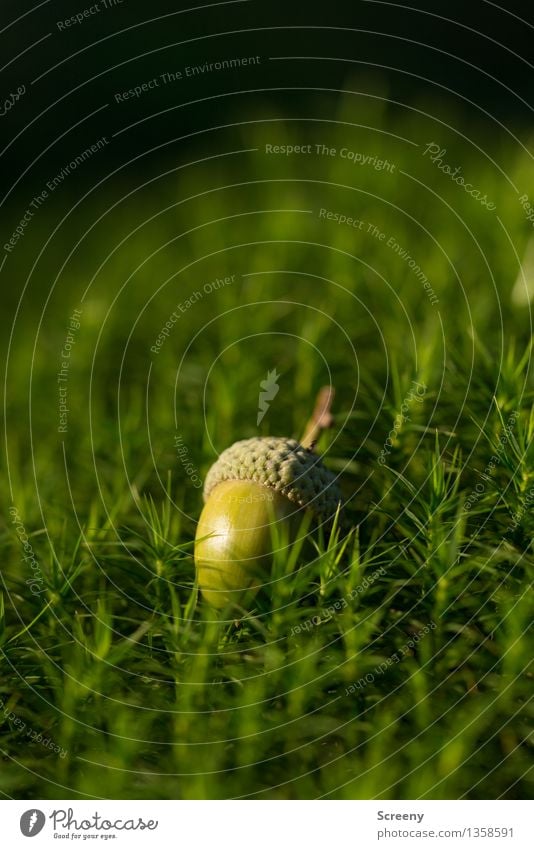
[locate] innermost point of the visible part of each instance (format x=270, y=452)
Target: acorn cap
x=283, y=465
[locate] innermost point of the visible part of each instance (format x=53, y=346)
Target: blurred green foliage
x=148, y=692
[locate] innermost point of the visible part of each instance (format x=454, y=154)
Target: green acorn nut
x=255, y=485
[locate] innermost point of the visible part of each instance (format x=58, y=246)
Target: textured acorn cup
x=254, y=493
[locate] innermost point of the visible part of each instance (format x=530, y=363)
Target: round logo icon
x=32, y=822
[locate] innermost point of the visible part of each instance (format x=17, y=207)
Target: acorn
x=257, y=492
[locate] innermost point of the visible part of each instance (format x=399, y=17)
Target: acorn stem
x=321, y=418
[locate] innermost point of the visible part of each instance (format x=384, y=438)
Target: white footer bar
x=268, y=824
